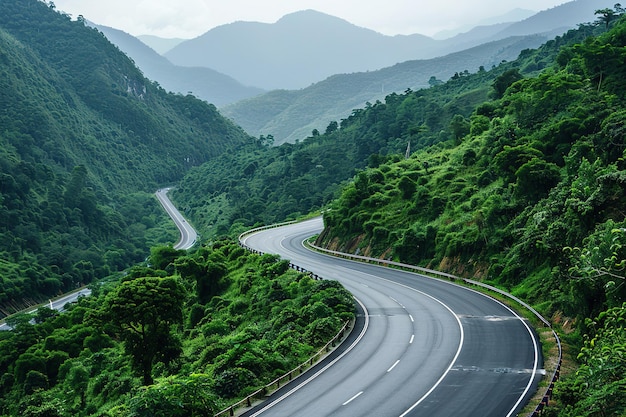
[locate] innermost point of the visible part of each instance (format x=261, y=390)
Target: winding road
x=429, y=347
x=188, y=234
x=187, y=239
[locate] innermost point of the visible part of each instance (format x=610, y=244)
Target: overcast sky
x=191, y=18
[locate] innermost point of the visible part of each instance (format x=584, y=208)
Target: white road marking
x=353, y=398
x=393, y=366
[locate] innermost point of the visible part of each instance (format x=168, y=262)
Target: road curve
x=188, y=234
x=188, y=237
x=431, y=348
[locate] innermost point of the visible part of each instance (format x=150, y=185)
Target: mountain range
x=206, y=83
x=343, y=66
x=307, y=46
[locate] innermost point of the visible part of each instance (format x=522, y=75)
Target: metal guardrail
x=538, y=411
x=382, y=262
x=297, y=371
x=289, y=376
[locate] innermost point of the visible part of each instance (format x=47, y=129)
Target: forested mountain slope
x=270, y=183
x=85, y=139
x=529, y=196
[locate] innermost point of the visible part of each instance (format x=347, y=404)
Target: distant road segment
x=188, y=235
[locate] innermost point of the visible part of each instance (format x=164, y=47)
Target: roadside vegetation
x=514, y=176
x=187, y=335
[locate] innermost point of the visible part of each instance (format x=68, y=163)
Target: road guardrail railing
x=547, y=397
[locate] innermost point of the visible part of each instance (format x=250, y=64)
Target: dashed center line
x=393, y=366
x=412, y=338
x=411, y=317
x=353, y=398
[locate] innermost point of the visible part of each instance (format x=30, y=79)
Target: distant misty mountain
x=499, y=22
x=299, y=49
x=205, y=83
x=160, y=45
x=305, y=47
x=563, y=17
x=290, y=115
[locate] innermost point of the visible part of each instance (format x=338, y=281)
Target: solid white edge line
x=318, y=373
x=462, y=337
x=353, y=398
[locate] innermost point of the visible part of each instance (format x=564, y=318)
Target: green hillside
x=186, y=337
x=264, y=184
x=85, y=140
x=529, y=197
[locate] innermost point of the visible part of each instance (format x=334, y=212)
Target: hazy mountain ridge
x=205, y=83
x=297, y=50
x=292, y=115
x=508, y=18
x=308, y=46
x=160, y=45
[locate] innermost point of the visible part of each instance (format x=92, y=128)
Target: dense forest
x=186, y=336
x=85, y=140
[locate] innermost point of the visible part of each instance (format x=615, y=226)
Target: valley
x=502, y=163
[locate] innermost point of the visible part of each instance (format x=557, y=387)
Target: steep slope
x=205, y=83
x=264, y=184
x=85, y=139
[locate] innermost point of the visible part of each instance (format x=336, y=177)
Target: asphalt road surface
x=57, y=304
x=429, y=347
x=188, y=234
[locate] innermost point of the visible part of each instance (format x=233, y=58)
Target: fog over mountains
x=303, y=56
x=308, y=46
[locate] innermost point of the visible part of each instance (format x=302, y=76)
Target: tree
x=433, y=81
x=504, y=81
x=459, y=127
x=143, y=312
x=332, y=127
x=162, y=256
x=608, y=15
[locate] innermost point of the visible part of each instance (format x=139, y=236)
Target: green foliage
x=85, y=139
x=599, y=385
x=129, y=349
x=542, y=172
x=175, y=396
x=142, y=312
